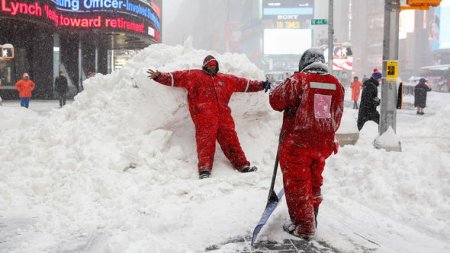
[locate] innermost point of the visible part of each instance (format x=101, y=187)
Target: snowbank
x=66, y=184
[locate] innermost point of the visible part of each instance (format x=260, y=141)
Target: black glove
x=266, y=85
x=376, y=101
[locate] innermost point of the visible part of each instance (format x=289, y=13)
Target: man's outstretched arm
x=174, y=79
x=246, y=85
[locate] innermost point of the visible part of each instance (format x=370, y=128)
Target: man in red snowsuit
x=208, y=95
x=313, y=102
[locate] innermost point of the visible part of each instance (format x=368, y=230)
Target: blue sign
x=132, y=7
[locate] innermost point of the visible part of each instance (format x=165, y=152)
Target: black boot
x=204, y=174
x=316, y=212
x=249, y=169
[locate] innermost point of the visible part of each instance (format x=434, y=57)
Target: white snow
x=66, y=185
x=388, y=140
x=348, y=123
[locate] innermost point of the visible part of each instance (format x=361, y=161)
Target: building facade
x=367, y=36
x=73, y=36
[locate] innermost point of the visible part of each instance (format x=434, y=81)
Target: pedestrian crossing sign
x=6, y=52
x=391, y=70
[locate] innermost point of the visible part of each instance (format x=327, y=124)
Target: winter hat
x=209, y=59
x=309, y=57
x=206, y=61
x=422, y=80
x=376, y=74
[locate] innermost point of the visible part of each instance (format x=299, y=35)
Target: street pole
x=330, y=37
x=388, y=116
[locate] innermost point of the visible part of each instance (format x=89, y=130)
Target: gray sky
x=170, y=12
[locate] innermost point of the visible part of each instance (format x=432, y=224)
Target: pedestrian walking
x=90, y=74
x=420, y=95
x=369, y=100
x=25, y=87
x=356, y=90
x=1, y=101
x=365, y=78
x=400, y=96
x=61, y=87
x=208, y=95
x=312, y=101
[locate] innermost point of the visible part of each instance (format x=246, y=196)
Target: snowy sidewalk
x=39, y=106
x=242, y=245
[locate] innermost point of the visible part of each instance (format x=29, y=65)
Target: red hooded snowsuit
x=313, y=106
x=208, y=97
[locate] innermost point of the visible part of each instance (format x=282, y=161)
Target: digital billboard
x=287, y=30
x=286, y=41
x=288, y=13
x=439, y=28
x=142, y=17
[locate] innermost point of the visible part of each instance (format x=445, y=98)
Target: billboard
x=439, y=29
x=288, y=13
x=287, y=26
x=342, y=56
x=286, y=41
x=142, y=17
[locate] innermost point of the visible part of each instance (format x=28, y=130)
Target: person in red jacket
x=313, y=103
x=25, y=86
x=356, y=90
x=208, y=95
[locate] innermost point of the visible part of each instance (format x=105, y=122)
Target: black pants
x=62, y=99
x=355, y=104
x=375, y=116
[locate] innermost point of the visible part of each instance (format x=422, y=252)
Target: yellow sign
x=391, y=70
x=433, y=3
x=420, y=4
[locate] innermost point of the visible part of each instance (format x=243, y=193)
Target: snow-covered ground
x=66, y=184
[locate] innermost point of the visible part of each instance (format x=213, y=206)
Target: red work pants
x=302, y=177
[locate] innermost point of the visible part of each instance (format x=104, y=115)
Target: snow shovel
x=272, y=202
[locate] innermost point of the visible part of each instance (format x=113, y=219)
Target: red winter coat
x=25, y=87
x=305, y=122
x=313, y=105
x=208, y=97
x=356, y=90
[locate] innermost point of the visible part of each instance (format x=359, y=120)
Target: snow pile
x=348, y=123
x=69, y=172
x=388, y=140
x=12, y=118
x=67, y=184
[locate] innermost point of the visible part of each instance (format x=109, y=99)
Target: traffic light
x=6, y=52
x=420, y=4
x=428, y=3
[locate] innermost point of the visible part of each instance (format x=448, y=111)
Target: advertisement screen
x=444, y=25
x=439, y=28
x=142, y=17
x=287, y=41
x=288, y=14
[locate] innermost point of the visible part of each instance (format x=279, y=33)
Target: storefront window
x=5, y=73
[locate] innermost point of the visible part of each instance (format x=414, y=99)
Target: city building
x=367, y=35
x=77, y=37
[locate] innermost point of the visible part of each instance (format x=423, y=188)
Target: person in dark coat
x=420, y=95
x=61, y=87
x=369, y=100
x=400, y=96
